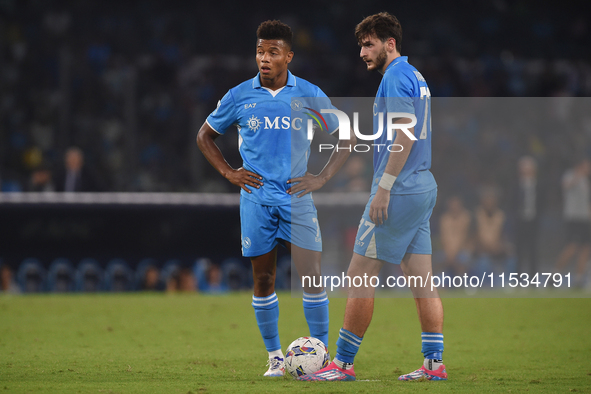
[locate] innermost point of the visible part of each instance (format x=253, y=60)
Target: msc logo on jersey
x=254, y=123
x=277, y=123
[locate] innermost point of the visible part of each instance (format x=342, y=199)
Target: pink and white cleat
x=330, y=373
x=426, y=374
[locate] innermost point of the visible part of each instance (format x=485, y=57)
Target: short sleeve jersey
x=270, y=144
x=403, y=89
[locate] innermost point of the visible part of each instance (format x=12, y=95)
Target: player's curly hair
x=275, y=30
x=382, y=26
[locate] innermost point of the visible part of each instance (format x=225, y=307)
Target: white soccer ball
x=305, y=356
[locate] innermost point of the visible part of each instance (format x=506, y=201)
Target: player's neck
x=275, y=83
x=391, y=58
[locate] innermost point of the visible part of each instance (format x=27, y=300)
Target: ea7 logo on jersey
x=247, y=106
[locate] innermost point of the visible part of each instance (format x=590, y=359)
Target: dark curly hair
x=382, y=26
x=275, y=30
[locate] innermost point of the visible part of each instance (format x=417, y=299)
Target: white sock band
x=387, y=181
x=276, y=353
x=342, y=364
x=432, y=365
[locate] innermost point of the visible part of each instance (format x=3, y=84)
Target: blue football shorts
x=406, y=230
x=264, y=226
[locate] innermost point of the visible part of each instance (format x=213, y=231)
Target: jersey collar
x=256, y=81
x=394, y=62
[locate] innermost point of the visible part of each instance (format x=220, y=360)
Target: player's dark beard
x=381, y=59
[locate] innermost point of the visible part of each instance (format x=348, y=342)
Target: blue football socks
x=316, y=312
x=266, y=311
x=347, y=348
x=432, y=345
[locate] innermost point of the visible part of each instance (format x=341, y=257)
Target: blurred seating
x=31, y=276
x=118, y=276
x=283, y=276
x=147, y=276
x=8, y=283
x=89, y=276
x=61, y=276
x=170, y=269
x=200, y=270
x=10, y=186
x=178, y=277
x=233, y=274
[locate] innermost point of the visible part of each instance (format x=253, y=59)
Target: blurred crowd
x=478, y=241
x=88, y=275
x=108, y=96
x=129, y=84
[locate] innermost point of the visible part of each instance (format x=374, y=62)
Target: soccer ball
x=306, y=355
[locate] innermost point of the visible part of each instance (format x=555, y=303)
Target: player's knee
x=364, y=266
x=311, y=271
x=264, y=279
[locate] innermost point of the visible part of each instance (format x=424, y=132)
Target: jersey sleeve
x=224, y=116
x=332, y=122
x=399, y=94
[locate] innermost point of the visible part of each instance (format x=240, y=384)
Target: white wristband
x=387, y=181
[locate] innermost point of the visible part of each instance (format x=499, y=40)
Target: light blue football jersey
x=270, y=144
x=403, y=89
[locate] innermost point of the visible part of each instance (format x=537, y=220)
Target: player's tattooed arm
x=309, y=182
x=239, y=177
x=378, y=209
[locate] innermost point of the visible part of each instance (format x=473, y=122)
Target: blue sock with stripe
x=432, y=345
x=316, y=312
x=347, y=348
x=266, y=311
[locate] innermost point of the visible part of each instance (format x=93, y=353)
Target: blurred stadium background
x=130, y=83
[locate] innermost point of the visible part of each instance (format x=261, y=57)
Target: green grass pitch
x=158, y=343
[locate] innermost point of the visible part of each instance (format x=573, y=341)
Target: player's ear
x=391, y=44
x=289, y=56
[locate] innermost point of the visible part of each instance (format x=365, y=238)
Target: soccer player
x=395, y=225
x=276, y=206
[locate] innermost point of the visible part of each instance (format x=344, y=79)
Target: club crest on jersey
x=253, y=123
x=297, y=105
